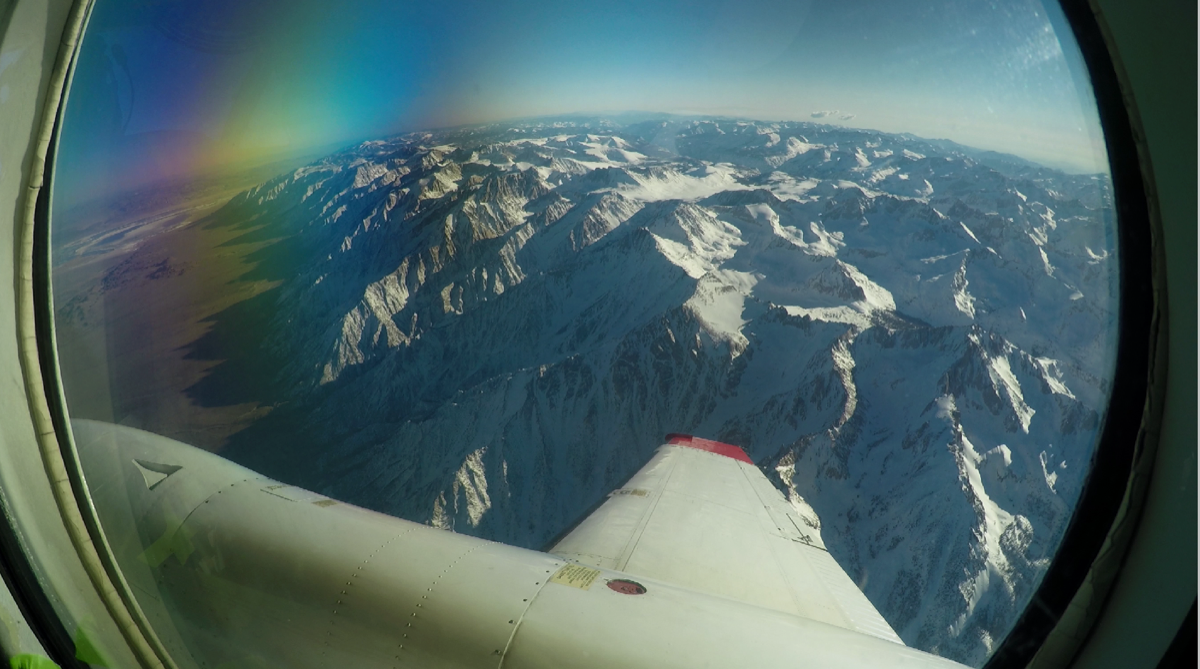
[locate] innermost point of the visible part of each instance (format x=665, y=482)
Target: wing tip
x=720, y=448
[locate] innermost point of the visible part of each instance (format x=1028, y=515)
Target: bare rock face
x=488, y=329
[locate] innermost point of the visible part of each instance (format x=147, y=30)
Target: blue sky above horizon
x=164, y=88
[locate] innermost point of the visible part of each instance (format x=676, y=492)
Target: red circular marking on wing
x=626, y=587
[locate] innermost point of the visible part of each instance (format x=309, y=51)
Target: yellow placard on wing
x=576, y=576
x=636, y=492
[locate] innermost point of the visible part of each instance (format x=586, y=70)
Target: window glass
x=466, y=265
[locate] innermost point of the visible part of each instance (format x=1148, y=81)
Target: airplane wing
x=702, y=516
x=228, y=568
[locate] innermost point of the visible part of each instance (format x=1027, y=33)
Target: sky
x=169, y=88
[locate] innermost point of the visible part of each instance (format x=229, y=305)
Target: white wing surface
x=231, y=569
x=702, y=516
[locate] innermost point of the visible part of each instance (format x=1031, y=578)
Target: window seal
x=38, y=363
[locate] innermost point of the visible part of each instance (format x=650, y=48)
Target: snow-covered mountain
x=489, y=328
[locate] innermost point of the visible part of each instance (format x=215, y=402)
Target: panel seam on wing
x=631, y=545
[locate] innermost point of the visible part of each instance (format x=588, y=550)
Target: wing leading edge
x=702, y=516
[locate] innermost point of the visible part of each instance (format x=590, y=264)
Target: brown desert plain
x=139, y=280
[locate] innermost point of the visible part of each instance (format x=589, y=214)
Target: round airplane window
x=468, y=265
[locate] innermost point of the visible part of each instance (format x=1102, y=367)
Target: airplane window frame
x=1115, y=484
x=31, y=579
x=51, y=33
x=1124, y=451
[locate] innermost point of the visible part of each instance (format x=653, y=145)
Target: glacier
x=488, y=328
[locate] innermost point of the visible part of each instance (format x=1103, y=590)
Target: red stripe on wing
x=728, y=450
